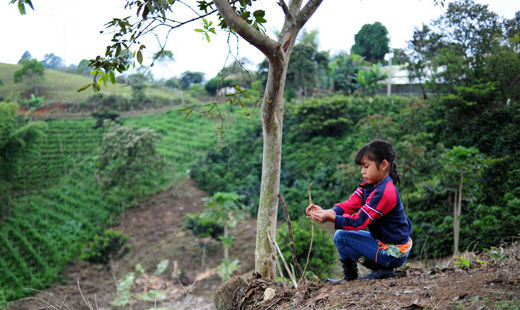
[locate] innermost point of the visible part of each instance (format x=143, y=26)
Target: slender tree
x=460, y=165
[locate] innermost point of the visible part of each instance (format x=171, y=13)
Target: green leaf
x=21, y=7
x=112, y=77
x=200, y=30
x=140, y=57
x=84, y=87
x=207, y=37
x=145, y=11
x=161, y=267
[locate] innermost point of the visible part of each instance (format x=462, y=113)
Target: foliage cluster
x=128, y=159
x=141, y=101
x=18, y=141
x=203, y=225
x=103, y=247
x=415, y=129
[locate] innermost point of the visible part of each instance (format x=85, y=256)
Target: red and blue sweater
x=380, y=209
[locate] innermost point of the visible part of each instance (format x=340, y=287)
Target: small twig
x=279, y=267
x=84, y=300
x=312, y=229
x=283, y=259
x=291, y=236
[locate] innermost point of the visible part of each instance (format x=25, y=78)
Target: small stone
x=269, y=293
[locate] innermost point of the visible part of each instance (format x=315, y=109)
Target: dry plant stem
x=291, y=236
x=83, y=297
x=312, y=230
x=283, y=260
x=279, y=268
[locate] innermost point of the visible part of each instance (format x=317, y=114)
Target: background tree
x=51, y=61
x=343, y=70
x=368, y=80
x=453, y=49
x=173, y=83
x=371, y=42
x=32, y=71
x=226, y=209
x=127, y=157
x=188, y=78
x=457, y=163
x=83, y=68
x=306, y=67
x=26, y=55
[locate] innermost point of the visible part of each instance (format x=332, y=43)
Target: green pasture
x=61, y=87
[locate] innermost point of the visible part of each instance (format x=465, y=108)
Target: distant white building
x=398, y=83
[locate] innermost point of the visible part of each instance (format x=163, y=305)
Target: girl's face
x=371, y=172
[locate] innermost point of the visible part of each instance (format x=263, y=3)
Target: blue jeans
x=359, y=245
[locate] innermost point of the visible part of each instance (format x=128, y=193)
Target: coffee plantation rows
x=65, y=144
x=62, y=205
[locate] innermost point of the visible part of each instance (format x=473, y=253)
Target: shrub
x=128, y=160
x=323, y=255
x=110, y=244
x=203, y=225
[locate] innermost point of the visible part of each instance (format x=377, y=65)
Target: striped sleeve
x=379, y=203
x=352, y=205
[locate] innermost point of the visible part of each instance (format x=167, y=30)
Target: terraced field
x=63, y=206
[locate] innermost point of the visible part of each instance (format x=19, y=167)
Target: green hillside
x=61, y=87
x=66, y=207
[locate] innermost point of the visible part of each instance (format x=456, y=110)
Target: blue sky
x=70, y=29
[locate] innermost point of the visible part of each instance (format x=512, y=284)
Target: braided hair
x=379, y=150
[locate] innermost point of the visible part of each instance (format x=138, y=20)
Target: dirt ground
x=156, y=230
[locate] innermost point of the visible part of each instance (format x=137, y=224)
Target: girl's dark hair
x=379, y=150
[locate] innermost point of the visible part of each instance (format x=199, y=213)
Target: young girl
x=375, y=204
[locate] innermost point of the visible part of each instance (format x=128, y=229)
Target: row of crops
x=64, y=146
x=65, y=208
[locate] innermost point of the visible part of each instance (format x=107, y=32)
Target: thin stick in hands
x=312, y=229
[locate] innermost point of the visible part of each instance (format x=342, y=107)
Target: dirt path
x=156, y=230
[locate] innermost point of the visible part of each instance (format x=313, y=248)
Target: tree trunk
x=278, y=53
x=457, y=212
x=455, y=225
x=226, y=249
x=272, y=120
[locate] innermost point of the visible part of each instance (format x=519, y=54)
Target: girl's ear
x=385, y=164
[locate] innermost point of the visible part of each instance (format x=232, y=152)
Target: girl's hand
x=317, y=214
x=312, y=208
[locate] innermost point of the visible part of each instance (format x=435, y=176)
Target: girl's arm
x=379, y=203
x=352, y=205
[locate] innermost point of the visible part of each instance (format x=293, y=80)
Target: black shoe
x=350, y=271
x=378, y=271
x=379, y=274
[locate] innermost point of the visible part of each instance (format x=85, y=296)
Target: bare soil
x=157, y=232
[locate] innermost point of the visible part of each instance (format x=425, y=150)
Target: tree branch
x=285, y=8
x=270, y=48
x=306, y=13
x=294, y=6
